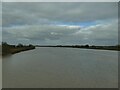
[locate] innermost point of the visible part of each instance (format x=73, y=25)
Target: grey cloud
x=60, y=1
x=30, y=13
x=104, y=33
x=38, y=32
x=41, y=23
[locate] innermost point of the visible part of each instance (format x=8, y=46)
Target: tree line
x=19, y=45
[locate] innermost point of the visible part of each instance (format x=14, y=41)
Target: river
x=48, y=67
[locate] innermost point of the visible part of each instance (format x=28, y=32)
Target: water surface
x=61, y=68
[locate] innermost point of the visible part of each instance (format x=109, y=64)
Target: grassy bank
x=12, y=49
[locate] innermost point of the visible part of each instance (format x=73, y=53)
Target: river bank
x=115, y=48
x=12, y=49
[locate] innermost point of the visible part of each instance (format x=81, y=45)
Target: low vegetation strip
x=12, y=49
x=116, y=48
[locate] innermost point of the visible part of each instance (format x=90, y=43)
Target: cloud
x=60, y=23
x=104, y=33
x=60, y=1
x=0, y=22
x=32, y=12
x=38, y=32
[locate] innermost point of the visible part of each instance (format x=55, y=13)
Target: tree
x=19, y=45
x=87, y=46
x=4, y=43
x=30, y=45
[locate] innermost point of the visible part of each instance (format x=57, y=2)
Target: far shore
x=115, y=48
x=12, y=49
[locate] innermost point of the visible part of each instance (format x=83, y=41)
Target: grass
x=12, y=49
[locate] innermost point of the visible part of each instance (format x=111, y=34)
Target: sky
x=0, y=22
x=65, y=23
x=60, y=0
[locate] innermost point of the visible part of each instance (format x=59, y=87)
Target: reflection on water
x=61, y=67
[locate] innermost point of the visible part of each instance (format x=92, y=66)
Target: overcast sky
x=60, y=23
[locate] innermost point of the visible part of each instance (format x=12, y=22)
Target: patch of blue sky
x=83, y=24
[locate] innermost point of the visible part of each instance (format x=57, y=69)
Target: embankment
x=7, y=50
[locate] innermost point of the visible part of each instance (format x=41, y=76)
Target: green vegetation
x=116, y=48
x=12, y=49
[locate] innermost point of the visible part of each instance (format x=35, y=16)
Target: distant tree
x=93, y=46
x=19, y=45
x=77, y=46
x=87, y=46
x=4, y=43
x=30, y=45
x=118, y=45
x=82, y=46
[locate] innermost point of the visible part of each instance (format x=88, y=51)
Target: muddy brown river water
x=61, y=68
